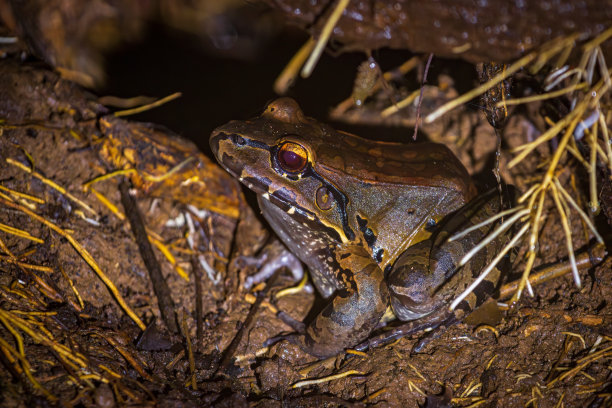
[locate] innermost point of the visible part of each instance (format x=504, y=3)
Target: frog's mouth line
x=282, y=199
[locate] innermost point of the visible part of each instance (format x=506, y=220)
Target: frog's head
x=275, y=155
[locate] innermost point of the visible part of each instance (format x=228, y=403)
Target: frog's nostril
x=238, y=140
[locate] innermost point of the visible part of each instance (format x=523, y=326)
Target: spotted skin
x=350, y=209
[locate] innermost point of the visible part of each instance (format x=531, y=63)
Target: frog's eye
x=292, y=157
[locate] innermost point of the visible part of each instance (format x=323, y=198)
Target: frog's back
x=421, y=164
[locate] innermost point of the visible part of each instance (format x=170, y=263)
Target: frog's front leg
x=353, y=311
x=274, y=256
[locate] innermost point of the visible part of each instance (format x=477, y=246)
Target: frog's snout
x=223, y=143
x=216, y=136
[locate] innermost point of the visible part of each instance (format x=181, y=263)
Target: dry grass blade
x=606, y=138
x=540, y=57
x=26, y=368
x=323, y=38
x=560, y=78
x=306, y=383
x=594, y=202
x=481, y=89
x=20, y=233
x=582, y=214
x=568, y=234
x=401, y=104
x=33, y=267
x=290, y=72
x=582, y=364
x=504, y=226
x=8, y=319
x=19, y=194
x=86, y=256
x=51, y=184
x=490, y=267
x=544, y=96
x=485, y=222
x=527, y=148
x=149, y=106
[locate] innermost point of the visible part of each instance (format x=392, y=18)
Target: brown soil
x=94, y=355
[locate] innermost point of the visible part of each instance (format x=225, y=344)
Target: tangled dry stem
x=587, y=119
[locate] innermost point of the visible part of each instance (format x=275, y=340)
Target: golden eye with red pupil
x=292, y=157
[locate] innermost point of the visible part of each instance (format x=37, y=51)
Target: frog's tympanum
x=360, y=214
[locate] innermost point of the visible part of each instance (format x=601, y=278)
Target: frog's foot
x=269, y=263
x=433, y=327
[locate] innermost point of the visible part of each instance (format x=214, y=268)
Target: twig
x=418, y=112
x=229, y=352
x=160, y=286
x=583, y=261
x=197, y=281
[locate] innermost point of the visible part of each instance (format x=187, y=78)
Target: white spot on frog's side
x=266, y=196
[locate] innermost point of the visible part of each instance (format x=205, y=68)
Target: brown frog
x=360, y=214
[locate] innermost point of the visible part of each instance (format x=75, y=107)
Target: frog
x=363, y=215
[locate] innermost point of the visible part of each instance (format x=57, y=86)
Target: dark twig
x=197, y=278
x=229, y=352
x=160, y=287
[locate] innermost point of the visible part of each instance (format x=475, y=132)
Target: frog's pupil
x=292, y=157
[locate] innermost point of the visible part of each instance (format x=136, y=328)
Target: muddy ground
x=88, y=352
x=65, y=244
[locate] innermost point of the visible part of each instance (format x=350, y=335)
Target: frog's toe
x=294, y=338
x=432, y=334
